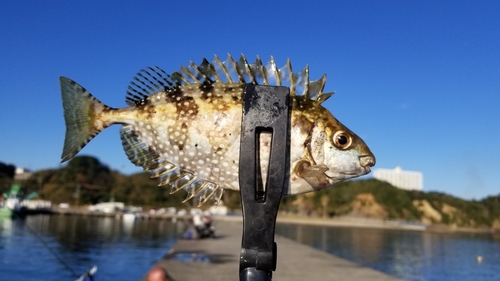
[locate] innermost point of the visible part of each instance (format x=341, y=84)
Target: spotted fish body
x=185, y=127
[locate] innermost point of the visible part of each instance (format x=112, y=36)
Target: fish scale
x=185, y=127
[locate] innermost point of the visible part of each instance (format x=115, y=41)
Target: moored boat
x=5, y=212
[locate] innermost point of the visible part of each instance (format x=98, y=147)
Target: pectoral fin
x=313, y=174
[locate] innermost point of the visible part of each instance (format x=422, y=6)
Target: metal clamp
x=266, y=109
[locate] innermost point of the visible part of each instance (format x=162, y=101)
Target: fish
x=185, y=127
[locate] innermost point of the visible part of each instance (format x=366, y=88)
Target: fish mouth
x=367, y=161
x=367, y=169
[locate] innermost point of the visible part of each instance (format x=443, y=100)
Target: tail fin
x=80, y=115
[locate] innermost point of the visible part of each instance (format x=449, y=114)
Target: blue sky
x=419, y=81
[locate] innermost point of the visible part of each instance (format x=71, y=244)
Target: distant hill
x=84, y=180
x=377, y=199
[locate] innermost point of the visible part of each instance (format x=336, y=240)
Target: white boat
x=129, y=216
x=130, y=213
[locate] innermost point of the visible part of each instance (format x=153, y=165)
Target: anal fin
x=140, y=154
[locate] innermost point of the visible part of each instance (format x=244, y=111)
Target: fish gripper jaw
x=266, y=110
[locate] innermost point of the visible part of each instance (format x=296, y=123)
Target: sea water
x=409, y=255
x=58, y=247
x=61, y=247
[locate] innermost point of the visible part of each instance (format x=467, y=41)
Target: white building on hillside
x=22, y=174
x=408, y=180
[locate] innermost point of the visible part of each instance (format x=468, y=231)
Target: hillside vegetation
x=376, y=199
x=84, y=180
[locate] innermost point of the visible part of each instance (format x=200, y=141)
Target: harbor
x=124, y=249
x=189, y=260
x=307, y=246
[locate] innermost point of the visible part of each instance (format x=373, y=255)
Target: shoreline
x=339, y=222
x=343, y=221
x=368, y=223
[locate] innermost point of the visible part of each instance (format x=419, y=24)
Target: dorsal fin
x=147, y=82
x=241, y=71
x=153, y=79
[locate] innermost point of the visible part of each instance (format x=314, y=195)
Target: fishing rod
x=87, y=276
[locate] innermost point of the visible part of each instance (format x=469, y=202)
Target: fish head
x=332, y=153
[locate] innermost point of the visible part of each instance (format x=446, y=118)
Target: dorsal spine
x=153, y=79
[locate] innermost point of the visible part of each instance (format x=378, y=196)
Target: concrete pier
x=218, y=260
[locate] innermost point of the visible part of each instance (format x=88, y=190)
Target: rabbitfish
x=185, y=127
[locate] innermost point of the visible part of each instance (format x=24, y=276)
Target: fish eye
x=342, y=140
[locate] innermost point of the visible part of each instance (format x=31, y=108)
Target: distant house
x=22, y=174
x=408, y=180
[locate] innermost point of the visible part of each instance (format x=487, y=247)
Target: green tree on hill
x=95, y=182
x=7, y=173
